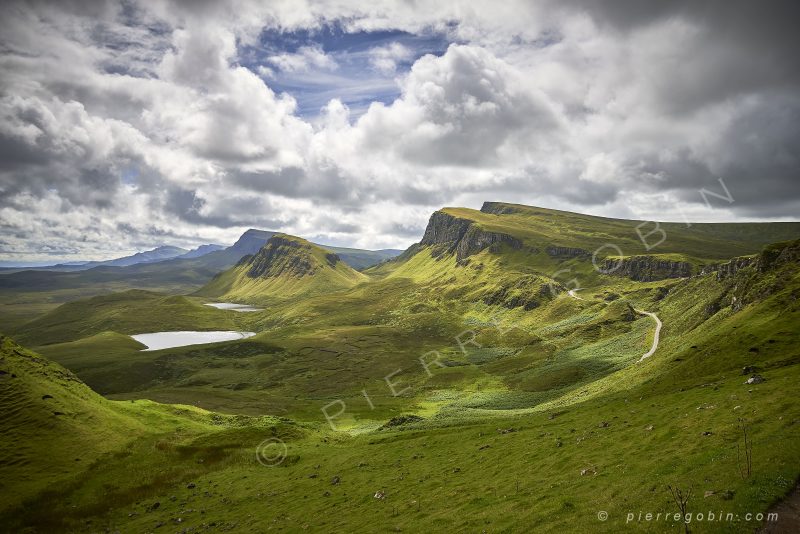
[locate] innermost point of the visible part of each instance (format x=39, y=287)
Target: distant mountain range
x=175, y=270
x=249, y=243
x=149, y=256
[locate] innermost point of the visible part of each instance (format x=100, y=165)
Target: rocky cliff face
x=771, y=257
x=729, y=268
x=498, y=208
x=646, y=268
x=447, y=234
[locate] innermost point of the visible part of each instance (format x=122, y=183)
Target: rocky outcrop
x=646, y=268
x=773, y=256
x=729, y=268
x=475, y=240
x=778, y=254
x=444, y=229
x=498, y=208
x=447, y=234
x=566, y=252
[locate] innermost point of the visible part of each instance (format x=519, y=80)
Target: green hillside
x=129, y=312
x=286, y=267
x=465, y=384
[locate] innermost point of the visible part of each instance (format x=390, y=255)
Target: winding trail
x=656, y=336
x=573, y=294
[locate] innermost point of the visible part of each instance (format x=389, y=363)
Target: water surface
x=233, y=306
x=166, y=340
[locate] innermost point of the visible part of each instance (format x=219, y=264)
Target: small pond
x=234, y=307
x=166, y=340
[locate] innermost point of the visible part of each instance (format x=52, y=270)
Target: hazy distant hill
x=148, y=256
x=202, y=250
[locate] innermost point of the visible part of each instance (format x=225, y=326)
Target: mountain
x=285, y=267
x=252, y=240
x=202, y=250
x=150, y=256
x=41, y=287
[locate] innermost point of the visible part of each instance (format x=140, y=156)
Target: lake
x=166, y=340
x=234, y=307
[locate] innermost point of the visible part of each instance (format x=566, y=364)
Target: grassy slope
x=282, y=279
x=703, y=241
x=565, y=358
x=62, y=439
x=129, y=312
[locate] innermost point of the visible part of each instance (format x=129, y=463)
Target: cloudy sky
x=126, y=125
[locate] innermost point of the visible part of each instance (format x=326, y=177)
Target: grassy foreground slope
x=60, y=442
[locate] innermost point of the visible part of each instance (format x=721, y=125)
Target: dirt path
x=572, y=294
x=788, y=511
x=657, y=335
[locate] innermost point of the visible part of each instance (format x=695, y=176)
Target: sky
x=132, y=124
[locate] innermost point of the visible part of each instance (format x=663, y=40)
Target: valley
x=518, y=369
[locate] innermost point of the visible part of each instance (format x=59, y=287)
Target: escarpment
x=447, y=234
x=771, y=257
x=646, y=268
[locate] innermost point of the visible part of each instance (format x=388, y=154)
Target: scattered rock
x=709, y=493
x=588, y=471
x=190, y=485
x=312, y=475
x=649, y=427
x=727, y=495
x=326, y=494
x=380, y=494
x=604, y=424
x=749, y=369
x=45, y=397
x=154, y=506
x=335, y=480
x=482, y=447
x=755, y=379
x=707, y=433
x=506, y=430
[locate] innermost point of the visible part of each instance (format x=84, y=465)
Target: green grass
x=552, y=368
